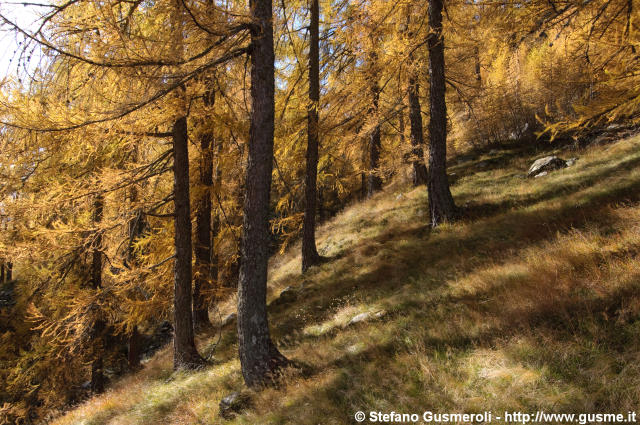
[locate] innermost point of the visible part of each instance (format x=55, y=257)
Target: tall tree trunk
x=420, y=174
x=1, y=272
x=215, y=231
x=216, y=226
x=185, y=354
x=419, y=171
x=134, y=349
x=9, y=272
x=136, y=228
x=259, y=357
x=310, y=254
x=401, y=127
x=374, y=181
x=476, y=55
x=203, y=247
x=97, y=375
x=441, y=205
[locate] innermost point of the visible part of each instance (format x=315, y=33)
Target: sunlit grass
x=531, y=302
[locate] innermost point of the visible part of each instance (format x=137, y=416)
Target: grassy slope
x=530, y=303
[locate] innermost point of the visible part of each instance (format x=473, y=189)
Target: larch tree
x=374, y=180
x=185, y=354
x=441, y=205
x=419, y=169
x=203, y=244
x=260, y=359
x=310, y=254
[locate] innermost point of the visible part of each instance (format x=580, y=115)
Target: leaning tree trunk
x=441, y=205
x=185, y=354
x=310, y=254
x=97, y=374
x=203, y=246
x=259, y=357
x=374, y=181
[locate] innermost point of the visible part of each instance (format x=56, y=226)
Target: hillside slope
x=529, y=303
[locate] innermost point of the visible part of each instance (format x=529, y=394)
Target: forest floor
x=529, y=303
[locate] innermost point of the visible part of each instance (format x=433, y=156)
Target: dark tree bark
x=1, y=272
x=310, y=254
x=259, y=358
x=216, y=227
x=420, y=174
x=203, y=248
x=137, y=227
x=419, y=169
x=97, y=374
x=134, y=349
x=476, y=54
x=441, y=205
x=185, y=354
x=374, y=181
x=9, y=272
x=401, y=126
x=229, y=276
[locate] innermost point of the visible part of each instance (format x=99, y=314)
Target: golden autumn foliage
x=91, y=117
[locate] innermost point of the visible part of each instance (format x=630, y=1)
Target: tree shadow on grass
x=403, y=252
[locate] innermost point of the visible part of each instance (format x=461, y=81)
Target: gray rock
x=359, y=318
x=233, y=404
x=363, y=317
x=542, y=174
x=379, y=314
x=571, y=161
x=227, y=320
x=546, y=164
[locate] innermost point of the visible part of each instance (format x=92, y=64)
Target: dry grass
x=530, y=303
